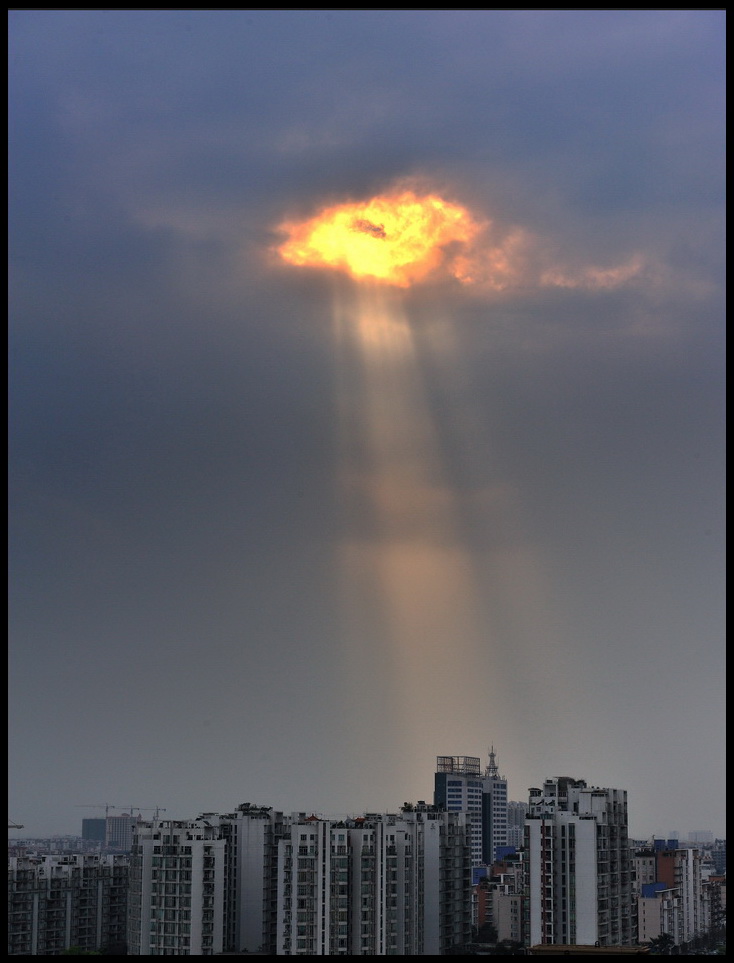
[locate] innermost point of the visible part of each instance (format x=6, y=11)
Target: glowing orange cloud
x=397, y=238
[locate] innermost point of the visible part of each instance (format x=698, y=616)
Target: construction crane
x=105, y=806
x=12, y=825
x=131, y=809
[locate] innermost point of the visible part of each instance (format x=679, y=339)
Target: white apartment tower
x=578, y=865
x=378, y=885
x=177, y=889
x=461, y=786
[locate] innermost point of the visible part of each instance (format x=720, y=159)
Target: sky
x=282, y=533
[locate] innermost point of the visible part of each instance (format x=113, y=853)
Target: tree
x=487, y=933
x=662, y=944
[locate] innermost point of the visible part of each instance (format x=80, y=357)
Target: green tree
x=662, y=944
x=487, y=933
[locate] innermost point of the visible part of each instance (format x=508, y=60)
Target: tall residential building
x=94, y=830
x=680, y=869
x=460, y=786
x=658, y=912
x=177, y=889
x=516, y=812
x=382, y=884
x=119, y=832
x=251, y=835
x=59, y=901
x=670, y=893
x=300, y=885
x=578, y=874
x=506, y=896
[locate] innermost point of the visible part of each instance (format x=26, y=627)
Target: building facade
x=301, y=885
x=578, y=866
x=119, y=832
x=56, y=902
x=382, y=884
x=516, y=812
x=680, y=870
x=461, y=786
x=94, y=830
x=177, y=889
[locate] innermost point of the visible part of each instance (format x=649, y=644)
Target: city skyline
x=285, y=531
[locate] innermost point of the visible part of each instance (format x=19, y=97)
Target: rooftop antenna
x=492, y=768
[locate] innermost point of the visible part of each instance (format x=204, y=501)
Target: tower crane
x=105, y=806
x=12, y=825
x=130, y=809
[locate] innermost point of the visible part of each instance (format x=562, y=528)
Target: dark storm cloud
x=173, y=431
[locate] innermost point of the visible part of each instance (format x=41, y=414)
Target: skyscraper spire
x=492, y=769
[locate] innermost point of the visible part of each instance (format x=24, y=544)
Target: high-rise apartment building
x=578, y=872
x=516, y=812
x=461, y=786
x=301, y=885
x=94, y=830
x=506, y=898
x=374, y=886
x=59, y=901
x=119, y=832
x=177, y=889
x=680, y=870
x=658, y=912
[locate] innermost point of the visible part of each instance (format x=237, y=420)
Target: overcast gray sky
x=281, y=536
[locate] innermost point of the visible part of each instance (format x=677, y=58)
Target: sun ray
x=415, y=623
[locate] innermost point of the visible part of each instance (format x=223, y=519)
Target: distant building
x=718, y=856
x=59, y=901
x=516, y=812
x=702, y=836
x=578, y=870
x=94, y=830
x=119, y=832
x=460, y=786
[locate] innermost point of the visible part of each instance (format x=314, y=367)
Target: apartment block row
x=56, y=902
x=559, y=870
x=301, y=885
